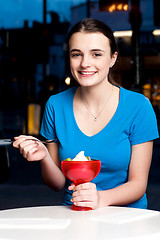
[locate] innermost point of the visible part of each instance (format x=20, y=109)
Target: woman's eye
x=75, y=54
x=97, y=54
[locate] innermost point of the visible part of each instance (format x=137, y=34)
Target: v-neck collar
x=107, y=125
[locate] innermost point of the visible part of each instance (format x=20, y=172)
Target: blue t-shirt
x=134, y=122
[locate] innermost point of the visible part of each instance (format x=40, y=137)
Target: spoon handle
x=10, y=141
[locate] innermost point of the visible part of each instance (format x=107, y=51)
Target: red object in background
x=81, y=172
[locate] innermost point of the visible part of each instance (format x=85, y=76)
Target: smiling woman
x=106, y=121
x=86, y=62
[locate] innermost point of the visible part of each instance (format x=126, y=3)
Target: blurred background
x=33, y=67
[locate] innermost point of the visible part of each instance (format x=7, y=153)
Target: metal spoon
x=10, y=141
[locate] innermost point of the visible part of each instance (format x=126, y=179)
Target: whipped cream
x=80, y=157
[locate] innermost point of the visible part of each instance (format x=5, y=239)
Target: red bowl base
x=78, y=208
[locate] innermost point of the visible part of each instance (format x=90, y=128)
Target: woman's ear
x=114, y=58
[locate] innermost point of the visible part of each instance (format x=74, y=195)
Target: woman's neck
x=95, y=95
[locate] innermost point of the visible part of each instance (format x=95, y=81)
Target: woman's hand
x=31, y=150
x=85, y=195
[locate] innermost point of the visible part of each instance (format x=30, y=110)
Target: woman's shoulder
x=137, y=105
x=134, y=97
x=62, y=96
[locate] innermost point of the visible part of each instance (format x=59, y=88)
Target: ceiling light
x=156, y=32
x=123, y=33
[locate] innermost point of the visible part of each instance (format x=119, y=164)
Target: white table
x=61, y=223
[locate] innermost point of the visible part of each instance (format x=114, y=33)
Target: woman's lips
x=87, y=73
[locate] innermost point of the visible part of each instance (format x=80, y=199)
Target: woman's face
x=90, y=58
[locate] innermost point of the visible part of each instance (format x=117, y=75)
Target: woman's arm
x=51, y=168
x=136, y=186
x=131, y=191
x=48, y=157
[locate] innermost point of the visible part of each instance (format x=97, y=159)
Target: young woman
x=98, y=117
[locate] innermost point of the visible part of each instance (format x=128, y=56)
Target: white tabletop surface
x=61, y=223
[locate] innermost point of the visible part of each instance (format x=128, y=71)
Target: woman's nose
x=86, y=61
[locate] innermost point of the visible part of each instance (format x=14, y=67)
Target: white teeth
x=87, y=73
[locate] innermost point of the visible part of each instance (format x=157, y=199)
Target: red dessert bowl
x=81, y=172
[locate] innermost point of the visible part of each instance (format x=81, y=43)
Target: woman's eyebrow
x=92, y=50
x=75, y=50
x=97, y=50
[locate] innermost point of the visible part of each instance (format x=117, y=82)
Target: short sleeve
x=48, y=126
x=144, y=126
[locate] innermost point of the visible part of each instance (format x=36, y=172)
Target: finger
x=91, y=197
x=28, y=148
x=85, y=186
x=35, y=153
x=26, y=143
x=20, y=136
x=18, y=141
x=86, y=201
x=83, y=193
x=32, y=155
x=71, y=187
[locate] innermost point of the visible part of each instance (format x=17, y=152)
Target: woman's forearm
x=51, y=174
x=121, y=195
